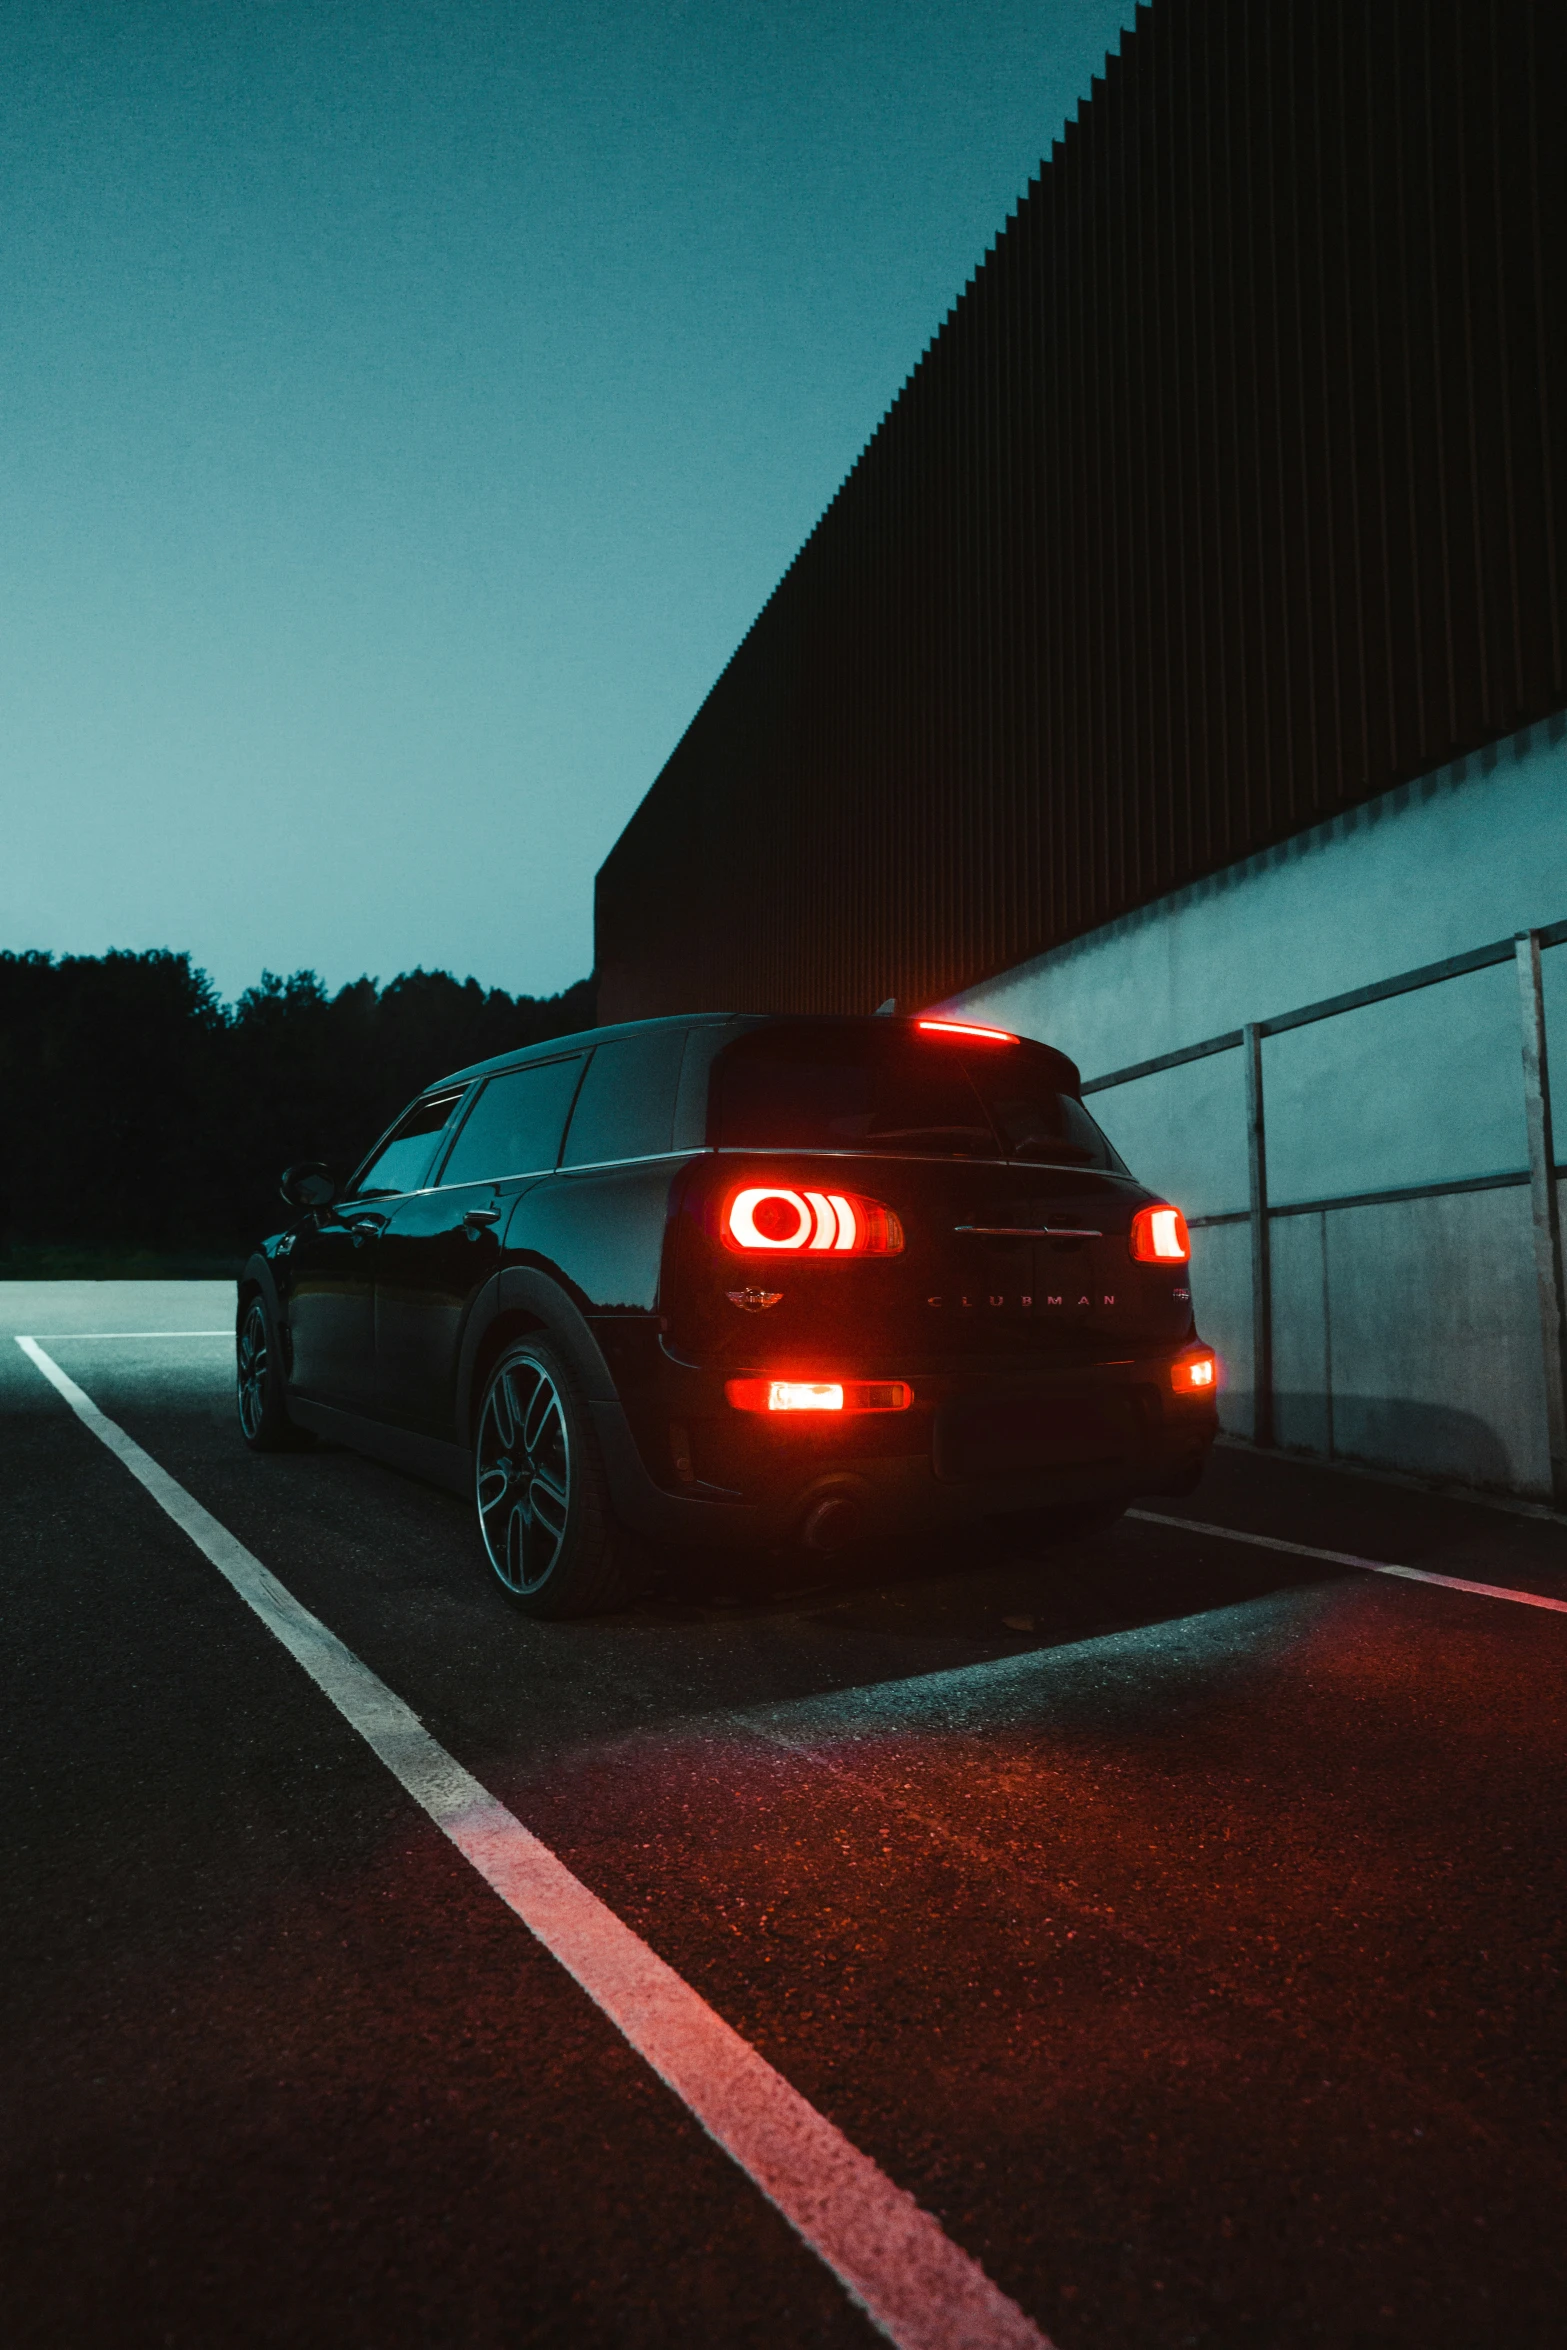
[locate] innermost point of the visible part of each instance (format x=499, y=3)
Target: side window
x=404, y=1158
x=626, y=1109
x=514, y=1128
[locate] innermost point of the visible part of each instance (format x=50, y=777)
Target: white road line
x=57, y=1337
x=1347, y=1558
x=914, y=2283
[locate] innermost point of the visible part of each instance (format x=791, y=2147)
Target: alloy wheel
x=523, y=1475
x=252, y=1372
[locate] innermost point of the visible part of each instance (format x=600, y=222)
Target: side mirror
x=309, y=1185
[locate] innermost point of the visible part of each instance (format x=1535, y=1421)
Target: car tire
x=258, y=1383
x=1035, y=1533
x=541, y=1492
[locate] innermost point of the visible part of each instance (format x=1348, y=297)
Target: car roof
x=581, y=1039
x=578, y=1041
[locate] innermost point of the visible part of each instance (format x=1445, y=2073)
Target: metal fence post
x=1261, y=1254
x=1547, y=1211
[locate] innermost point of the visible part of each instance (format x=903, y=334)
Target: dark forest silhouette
x=144, y=1116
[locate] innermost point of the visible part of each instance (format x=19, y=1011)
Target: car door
x=332, y=1263
x=441, y=1245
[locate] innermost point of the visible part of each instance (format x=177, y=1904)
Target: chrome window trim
x=643, y=1159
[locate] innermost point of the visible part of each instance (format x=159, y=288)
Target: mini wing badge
x=755, y=1301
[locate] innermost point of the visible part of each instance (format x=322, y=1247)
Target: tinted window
x=515, y=1126
x=1038, y=1123
x=626, y=1109
x=849, y=1089
x=404, y=1158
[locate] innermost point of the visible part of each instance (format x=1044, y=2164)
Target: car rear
x=910, y=1281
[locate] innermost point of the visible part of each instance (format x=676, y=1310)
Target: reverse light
x=1196, y=1374
x=819, y=1395
x=771, y=1216
x=1160, y=1237
x=966, y=1028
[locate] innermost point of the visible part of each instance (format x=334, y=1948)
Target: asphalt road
x=1181, y=1922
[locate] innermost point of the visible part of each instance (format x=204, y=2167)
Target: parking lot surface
x=1179, y=1921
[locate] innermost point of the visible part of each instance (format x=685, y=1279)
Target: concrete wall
x=1406, y=1332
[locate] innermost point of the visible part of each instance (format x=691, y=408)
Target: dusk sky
x=405, y=410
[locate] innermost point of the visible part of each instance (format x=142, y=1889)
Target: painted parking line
x=1347, y=1558
x=917, y=2287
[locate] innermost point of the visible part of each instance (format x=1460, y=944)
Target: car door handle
x=476, y=1217
x=362, y=1227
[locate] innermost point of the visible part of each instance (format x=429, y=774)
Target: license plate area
x=1016, y=1435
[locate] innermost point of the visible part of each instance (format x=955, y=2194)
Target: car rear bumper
x=979, y=1444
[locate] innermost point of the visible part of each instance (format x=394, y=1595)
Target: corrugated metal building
x=1185, y=651
x=1229, y=494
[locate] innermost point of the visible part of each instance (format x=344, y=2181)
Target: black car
x=748, y=1281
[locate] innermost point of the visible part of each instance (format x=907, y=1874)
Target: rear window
x=885, y=1091
x=849, y=1089
x=1039, y=1123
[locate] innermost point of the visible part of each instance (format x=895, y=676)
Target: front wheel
x=541, y=1492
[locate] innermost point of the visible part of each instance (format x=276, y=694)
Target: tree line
x=145, y=1116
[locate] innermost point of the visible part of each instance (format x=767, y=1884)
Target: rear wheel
x=258, y=1384
x=542, y=1495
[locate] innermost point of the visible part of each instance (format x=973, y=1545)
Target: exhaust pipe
x=832, y=1523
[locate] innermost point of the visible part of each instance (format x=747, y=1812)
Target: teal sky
x=405, y=409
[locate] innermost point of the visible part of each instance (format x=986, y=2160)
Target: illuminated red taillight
x=1160, y=1237
x=772, y=1216
x=819, y=1395
x=1196, y=1374
x=966, y=1028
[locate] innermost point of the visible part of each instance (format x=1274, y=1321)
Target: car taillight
x=1160, y=1237
x=819, y=1395
x=966, y=1028
x=772, y=1216
x=1195, y=1374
